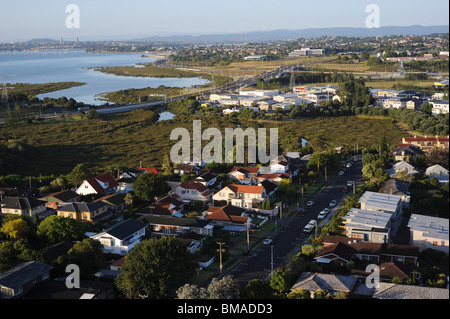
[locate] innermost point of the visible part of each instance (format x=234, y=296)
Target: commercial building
x=306, y=52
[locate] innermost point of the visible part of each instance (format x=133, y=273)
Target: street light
x=220, y=255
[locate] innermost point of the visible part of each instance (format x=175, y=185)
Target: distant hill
x=283, y=35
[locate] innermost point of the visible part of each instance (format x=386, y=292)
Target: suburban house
x=83, y=211
x=400, y=291
x=121, y=237
x=126, y=180
x=402, y=168
x=245, y=175
x=398, y=187
x=23, y=206
x=192, y=191
x=56, y=200
x=232, y=217
x=341, y=252
x=439, y=107
x=102, y=184
x=406, y=152
x=166, y=206
x=169, y=226
x=274, y=177
x=387, y=272
x=207, y=179
x=182, y=169
x=333, y=284
x=368, y=225
x=245, y=196
x=285, y=164
x=427, y=143
x=115, y=202
x=429, y=232
x=17, y=281
x=438, y=172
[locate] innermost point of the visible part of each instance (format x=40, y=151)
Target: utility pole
x=220, y=255
x=325, y=174
x=271, y=260
x=248, y=236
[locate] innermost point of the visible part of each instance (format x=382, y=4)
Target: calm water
x=72, y=66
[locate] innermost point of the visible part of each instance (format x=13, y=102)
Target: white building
x=429, y=232
x=439, y=107
x=438, y=172
x=368, y=225
x=306, y=52
x=121, y=237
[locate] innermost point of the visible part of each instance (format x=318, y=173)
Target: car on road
x=349, y=165
x=301, y=211
x=341, y=173
x=267, y=241
x=345, y=190
x=322, y=214
x=310, y=203
x=349, y=184
x=333, y=203
x=308, y=228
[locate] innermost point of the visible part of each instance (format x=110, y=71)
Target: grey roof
x=82, y=207
x=332, y=283
x=433, y=227
x=394, y=291
x=23, y=273
x=367, y=219
x=396, y=187
x=380, y=201
x=167, y=220
x=125, y=228
x=21, y=202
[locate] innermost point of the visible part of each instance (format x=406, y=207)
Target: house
x=406, y=152
x=207, y=179
x=438, y=172
x=427, y=143
x=291, y=99
x=245, y=175
x=439, y=107
x=23, y=206
x=192, y=191
x=398, y=291
x=83, y=211
x=285, y=164
x=18, y=280
x=402, y=168
x=333, y=284
x=429, y=232
x=398, y=187
x=56, y=200
x=101, y=184
x=229, y=216
x=387, y=272
x=245, y=196
x=269, y=186
x=166, y=206
x=89, y=289
x=126, y=180
x=121, y=237
x=266, y=105
x=115, y=202
x=169, y=226
x=182, y=169
x=274, y=177
x=340, y=253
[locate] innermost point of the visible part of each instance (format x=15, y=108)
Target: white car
x=309, y=203
x=312, y=222
x=333, y=203
x=267, y=241
x=341, y=173
x=349, y=165
x=322, y=215
x=308, y=228
x=349, y=184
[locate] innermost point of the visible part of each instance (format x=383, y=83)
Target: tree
x=322, y=294
x=258, y=289
x=78, y=174
x=88, y=255
x=149, y=185
x=299, y=293
x=280, y=281
x=155, y=268
x=189, y=291
x=16, y=228
x=54, y=229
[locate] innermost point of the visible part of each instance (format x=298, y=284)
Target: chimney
x=391, y=191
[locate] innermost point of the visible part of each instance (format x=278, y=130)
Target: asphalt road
x=290, y=238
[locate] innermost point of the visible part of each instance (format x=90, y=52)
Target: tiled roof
x=193, y=185
x=104, y=178
x=315, y=281
x=250, y=189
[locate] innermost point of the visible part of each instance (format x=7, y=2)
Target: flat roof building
x=429, y=232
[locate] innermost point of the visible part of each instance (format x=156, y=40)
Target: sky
x=22, y=20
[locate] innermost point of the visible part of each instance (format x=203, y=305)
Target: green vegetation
x=29, y=89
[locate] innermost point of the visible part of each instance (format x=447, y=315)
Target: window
x=435, y=243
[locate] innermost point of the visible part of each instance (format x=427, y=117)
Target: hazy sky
x=113, y=19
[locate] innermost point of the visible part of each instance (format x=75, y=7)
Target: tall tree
x=155, y=268
x=78, y=174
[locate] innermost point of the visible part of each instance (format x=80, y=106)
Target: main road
x=289, y=239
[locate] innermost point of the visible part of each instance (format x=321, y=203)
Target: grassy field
x=128, y=138
x=39, y=88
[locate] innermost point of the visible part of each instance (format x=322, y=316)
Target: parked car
x=308, y=228
x=310, y=203
x=267, y=241
x=341, y=173
x=349, y=165
x=349, y=184
x=322, y=215
x=333, y=203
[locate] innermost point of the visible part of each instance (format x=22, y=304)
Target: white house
x=121, y=237
x=100, y=184
x=245, y=196
x=439, y=107
x=439, y=172
x=190, y=190
x=404, y=167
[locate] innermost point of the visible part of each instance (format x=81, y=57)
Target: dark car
x=345, y=190
x=302, y=211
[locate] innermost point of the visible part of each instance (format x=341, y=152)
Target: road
x=290, y=238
